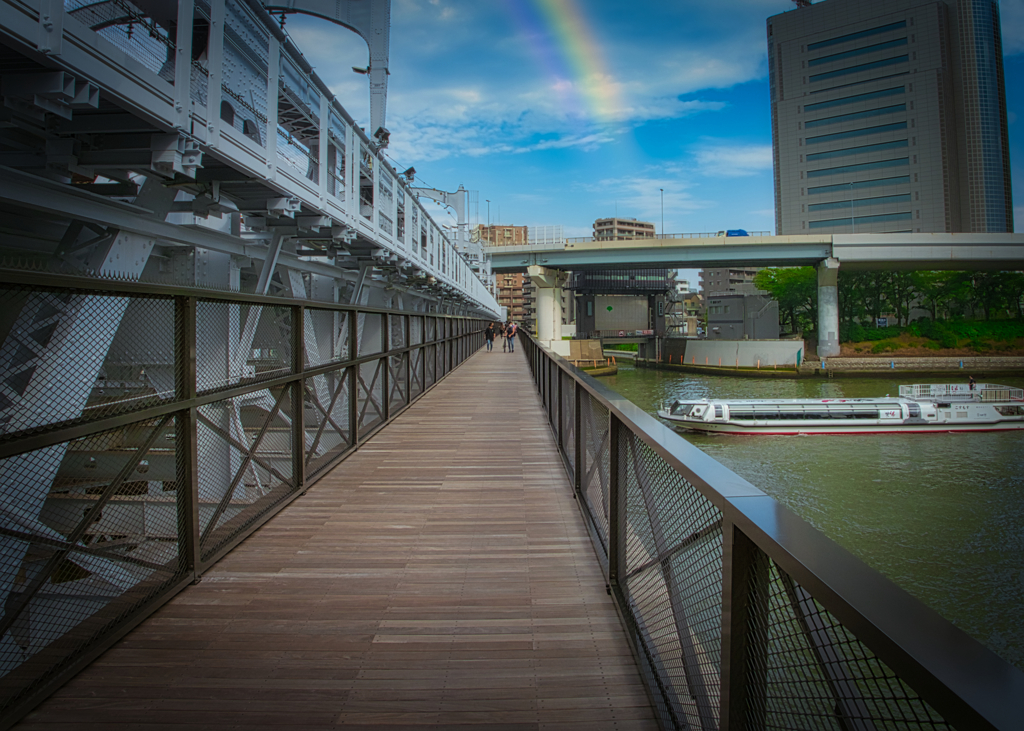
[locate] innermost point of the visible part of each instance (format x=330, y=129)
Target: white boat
x=942, y=407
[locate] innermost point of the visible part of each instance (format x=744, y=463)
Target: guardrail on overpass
x=854, y=251
x=741, y=614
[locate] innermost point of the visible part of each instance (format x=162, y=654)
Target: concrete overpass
x=828, y=252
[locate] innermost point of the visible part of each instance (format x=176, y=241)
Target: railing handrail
x=961, y=678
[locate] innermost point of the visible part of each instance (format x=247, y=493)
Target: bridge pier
x=549, y=297
x=828, y=308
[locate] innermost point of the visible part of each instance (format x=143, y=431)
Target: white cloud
x=719, y=158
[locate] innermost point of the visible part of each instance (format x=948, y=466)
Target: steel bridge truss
x=190, y=143
x=132, y=460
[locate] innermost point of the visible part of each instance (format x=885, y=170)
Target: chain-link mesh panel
x=370, y=333
x=569, y=420
x=441, y=359
x=417, y=368
x=87, y=534
x=327, y=419
x=370, y=394
x=224, y=358
x=245, y=463
x=415, y=330
x=70, y=356
x=396, y=331
x=594, y=483
x=813, y=671
x=430, y=331
x=326, y=337
x=673, y=578
x=398, y=366
x=429, y=366
x=131, y=30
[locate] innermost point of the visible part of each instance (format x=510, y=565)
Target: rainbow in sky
x=566, y=48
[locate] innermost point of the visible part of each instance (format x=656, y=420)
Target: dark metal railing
x=741, y=615
x=146, y=430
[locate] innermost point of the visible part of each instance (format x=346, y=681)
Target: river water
x=942, y=515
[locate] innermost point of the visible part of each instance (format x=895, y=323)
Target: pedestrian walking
x=510, y=332
x=504, y=340
x=489, y=335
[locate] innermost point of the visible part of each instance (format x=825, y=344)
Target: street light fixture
x=488, y=213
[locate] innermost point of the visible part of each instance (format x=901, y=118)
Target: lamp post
x=662, y=211
x=488, y=213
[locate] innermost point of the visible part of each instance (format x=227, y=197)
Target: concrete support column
x=549, y=301
x=828, y=308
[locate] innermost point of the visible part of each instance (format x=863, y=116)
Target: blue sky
x=565, y=122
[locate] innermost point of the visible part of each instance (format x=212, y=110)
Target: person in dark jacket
x=489, y=334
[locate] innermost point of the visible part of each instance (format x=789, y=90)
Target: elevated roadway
x=827, y=252
x=854, y=251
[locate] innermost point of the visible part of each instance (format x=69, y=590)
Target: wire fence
x=740, y=614
x=145, y=431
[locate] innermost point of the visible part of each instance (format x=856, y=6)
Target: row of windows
x=892, y=91
x=858, y=51
x=859, y=185
x=860, y=202
x=857, y=150
x=893, y=61
x=855, y=115
x=858, y=168
x=872, y=80
x=855, y=133
x=859, y=34
x=885, y=217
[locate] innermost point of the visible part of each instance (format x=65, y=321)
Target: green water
x=942, y=515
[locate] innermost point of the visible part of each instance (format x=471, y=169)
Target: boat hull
x=781, y=429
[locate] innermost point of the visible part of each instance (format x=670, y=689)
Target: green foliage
x=631, y=347
x=964, y=306
x=885, y=346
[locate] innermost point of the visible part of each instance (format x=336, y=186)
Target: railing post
x=385, y=334
x=744, y=596
x=558, y=430
x=299, y=398
x=579, y=460
x=407, y=327
x=615, y=469
x=186, y=438
x=353, y=376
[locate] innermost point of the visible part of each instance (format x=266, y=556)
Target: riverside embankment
x=861, y=367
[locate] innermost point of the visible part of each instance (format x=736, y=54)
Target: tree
x=901, y=295
x=796, y=291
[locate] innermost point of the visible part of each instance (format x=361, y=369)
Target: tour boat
x=949, y=407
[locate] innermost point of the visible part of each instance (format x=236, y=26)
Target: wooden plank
x=441, y=576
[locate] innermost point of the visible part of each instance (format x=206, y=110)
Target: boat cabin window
x=681, y=409
x=915, y=411
x=718, y=411
x=1010, y=410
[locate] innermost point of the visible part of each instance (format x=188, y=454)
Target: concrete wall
x=732, y=353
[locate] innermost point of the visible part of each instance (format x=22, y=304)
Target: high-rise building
x=612, y=229
x=889, y=115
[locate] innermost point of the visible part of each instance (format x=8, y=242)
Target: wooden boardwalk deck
x=440, y=577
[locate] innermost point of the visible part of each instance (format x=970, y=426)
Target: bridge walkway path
x=440, y=576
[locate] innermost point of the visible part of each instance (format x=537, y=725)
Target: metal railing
x=146, y=430
x=740, y=614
